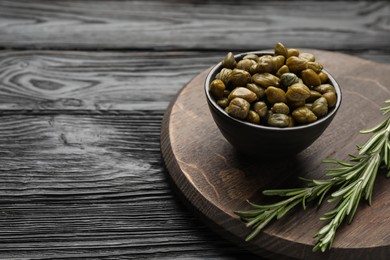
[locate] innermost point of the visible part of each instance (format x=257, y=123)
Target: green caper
x=287, y=79
x=217, y=88
x=280, y=108
x=253, y=117
x=296, y=64
x=223, y=102
x=307, y=56
x=309, y=106
x=313, y=96
x=317, y=67
x=244, y=93
x=303, y=115
x=310, y=78
x=229, y=61
x=224, y=75
x=278, y=120
x=238, y=108
x=320, y=107
x=239, y=77
x=298, y=92
x=275, y=95
x=259, y=91
x=295, y=104
x=251, y=56
x=265, y=64
x=282, y=70
x=324, y=88
x=265, y=80
x=331, y=98
x=323, y=77
x=245, y=64
x=280, y=50
x=278, y=62
x=260, y=108
x=292, y=52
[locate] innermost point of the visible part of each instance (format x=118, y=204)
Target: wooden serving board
x=214, y=180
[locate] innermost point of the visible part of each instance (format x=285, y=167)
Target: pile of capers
x=282, y=90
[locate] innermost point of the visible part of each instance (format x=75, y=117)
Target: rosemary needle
x=347, y=183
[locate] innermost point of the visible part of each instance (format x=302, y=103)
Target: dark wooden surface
x=215, y=180
x=83, y=89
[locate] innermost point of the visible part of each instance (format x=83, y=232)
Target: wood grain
x=83, y=88
x=36, y=82
x=92, y=187
x=216, y=181
x=80, y=170
x=231, y=25
x=105, y=82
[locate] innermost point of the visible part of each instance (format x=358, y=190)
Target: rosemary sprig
x=347, y=183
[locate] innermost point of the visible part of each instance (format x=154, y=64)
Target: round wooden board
x=214, y=180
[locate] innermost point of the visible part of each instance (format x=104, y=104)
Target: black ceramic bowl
x=266, y=141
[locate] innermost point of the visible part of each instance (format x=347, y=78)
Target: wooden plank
x=44, y=81
x=238, y=25
x=96, y=82
x=93, y=187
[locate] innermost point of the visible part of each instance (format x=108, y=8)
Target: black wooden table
x=83, y=89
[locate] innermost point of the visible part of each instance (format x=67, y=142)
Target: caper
x=282, y=70
x=287, y=79
x=217, y=88
x=238, y=108
x=325, y=88
x=223, y=102
x=245, y=64
x=229, y=61
x=275, y=95
x=226, y=93
x=278, y=120
x=320, y=107
x=331, y=98
x=280, y=108
x=253, y=117
x=278, y=62
x=323, y=77
x=253, y=69
x=224, y=75
x=292, y=52
x=296, y=64
x=298, y=92
x=307, y=56
x=280, y=50
x=251, y=56
x=303, y=115
x=244, y=93
x=313, y=96
x=260, y=108
x=295, y=104
x=259, y=91
x=317, y=67
x=310, y=78
x=239, y=77
x=265, y=79
x=309, y=105
x=265, y=64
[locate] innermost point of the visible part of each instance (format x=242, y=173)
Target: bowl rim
x=217, y=108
